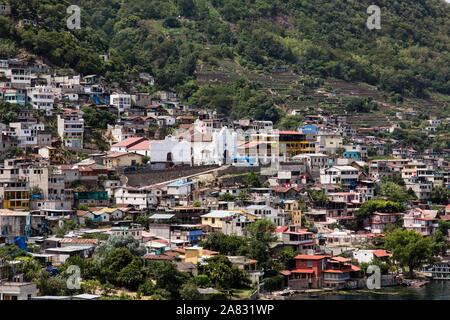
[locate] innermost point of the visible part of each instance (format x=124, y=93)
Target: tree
x=262, y=234
x=393, y=192
x=113, y=263
x=273, y=283
x=89, y=268
x=225, y=244
x=30, y=268
x=98, y=118
x=145, y=159
x=171, y=22
x=444, y=226
x=201, y=281
x=196, y=204
x=440, y=195
x=167, y=277
x=52, y=286
x=252, y=180
x=189, y=291
x=409, y=248
x=440, y=242
x=286, y=256
x=289, y=123
x=11, y=252
x=223, y=274
x=132, y=276
x=8, y=112
x=395, y=178
x=147, y=288
x=318, y=197
x=128, y=242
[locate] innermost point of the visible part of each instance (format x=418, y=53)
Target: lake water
x=435, y=290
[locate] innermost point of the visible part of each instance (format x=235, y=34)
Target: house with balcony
x=322, y=271
x=266, y=212
x=71, y=128
x=139, y=198
x=409, y=169
x=341, y=274
x=380, y=220
x=422, y=221
x=181, y=190
x=344, y=175
x=328, y=142
x=121, y=101
x=15, y=96
x=216, y=218
x=188, y=233
x=236, y=225
x=41, y=98
x=15, y=195
x=249, y=266
x=133, y=229
x=92, y=198
x=18, y=73
x=301, y=239
x=307, y=273
x=314, y=162
x=421, y=188
x=27, y=133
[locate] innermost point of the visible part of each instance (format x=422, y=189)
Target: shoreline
x=317, y=293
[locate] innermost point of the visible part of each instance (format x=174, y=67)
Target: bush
x=274, y=283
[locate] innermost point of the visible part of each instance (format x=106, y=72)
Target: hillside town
x=152, y=198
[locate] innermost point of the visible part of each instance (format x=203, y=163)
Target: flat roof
x=162, y=216
x=70, y=249
x=219, y=214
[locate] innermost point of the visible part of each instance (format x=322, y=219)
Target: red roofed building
x=301, y=239
x=142, y=148
x=382, y=254
x=126, y=144
x=322, y=271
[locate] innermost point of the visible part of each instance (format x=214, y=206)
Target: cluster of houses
x=109, y=192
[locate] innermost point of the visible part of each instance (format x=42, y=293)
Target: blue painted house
x=354, y=155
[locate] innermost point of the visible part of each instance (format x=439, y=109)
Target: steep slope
x=177, y=40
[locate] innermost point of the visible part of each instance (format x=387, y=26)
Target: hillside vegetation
x=175, y=40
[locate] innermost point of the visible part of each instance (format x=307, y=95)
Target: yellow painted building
x=119, y=159
x=216, y=218
x=292, y=208
x=16, y=200
x=293, y=143
x=197, y=254
x=287, y=143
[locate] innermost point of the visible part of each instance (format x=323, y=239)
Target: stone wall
x=149, y=177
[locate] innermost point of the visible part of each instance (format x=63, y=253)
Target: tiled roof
x=310, y=271
x=128, y=142
x=309, y=257
x=144, y=145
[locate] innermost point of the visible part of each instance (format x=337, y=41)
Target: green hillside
x=234, y=47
